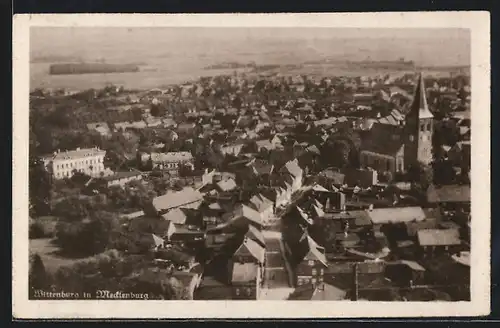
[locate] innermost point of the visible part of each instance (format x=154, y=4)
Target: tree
x=38, y=277
x=39, y=187
x=136, y=113
x=157, y=110
x=89, y=236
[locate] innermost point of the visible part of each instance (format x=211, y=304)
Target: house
x=438, y=241
x=190, y=282
x=264, y=206
x=395, y=147
x=332, y=176
x=178, y=257
x=62, y=164
x=256, y=235
x=226, y=185
x=243, y=215
x=449, y=194
x=122, y=178
x=171, y=161
x=311, y=268
x=293, y=169
x=186, y=128
x=247, y=269
x=101, y=127
x=232, y=148
x=364, y=177
x=318, y=292
x=186, y=198
x=155, y=225
x=269, y=144
x=380, y=216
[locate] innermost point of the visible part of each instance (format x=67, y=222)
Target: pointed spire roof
x=420, y=100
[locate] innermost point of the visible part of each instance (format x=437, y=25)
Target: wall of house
x=309, y=272
x=378, y=162
x=90, y=165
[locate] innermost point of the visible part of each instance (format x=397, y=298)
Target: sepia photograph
x=196, y=162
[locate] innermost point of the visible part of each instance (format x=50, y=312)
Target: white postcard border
x=479, y=25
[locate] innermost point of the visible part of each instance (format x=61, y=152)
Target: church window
x=388, y=165
x=411, y=137
x=422, y=127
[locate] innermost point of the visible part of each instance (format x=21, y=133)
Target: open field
x=49, y=253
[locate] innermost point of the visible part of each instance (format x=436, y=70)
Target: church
x=395, y=148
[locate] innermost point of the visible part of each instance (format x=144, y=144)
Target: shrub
x=43, y=227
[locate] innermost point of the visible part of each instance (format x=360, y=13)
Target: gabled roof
x=318, y=187
x=438, y=237
x=304, y=215
x=256, y=235
x=319, y=212
x=260, y=203
x=322, y=292
x=248, y=213
x=315, y=252
x=176, y=216
x=293, y=168
x=186, y=198
x=251, y=247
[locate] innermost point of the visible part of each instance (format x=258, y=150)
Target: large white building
x=62, y=164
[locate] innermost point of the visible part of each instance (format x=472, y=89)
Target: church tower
x=418, y=128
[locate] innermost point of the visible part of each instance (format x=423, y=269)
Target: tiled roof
x=396, y=214
x=383, y=139
x=176, y=216
x=78, y=153
x=449, y=193
x=260, y=203
x=180, y=156
x=438, y=237
x=247, y=212
x=227, y=185
x=121, y=175
x=253, y=248
x=314, y=252
x=256, y=235
x=293, y=168
x=186, y=198
x=323, y=292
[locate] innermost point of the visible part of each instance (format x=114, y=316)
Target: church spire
x=420, y=100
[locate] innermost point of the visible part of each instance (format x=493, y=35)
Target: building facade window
x=310, y=263
x=237, y=292
x=314, y=272
x=300, y=281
